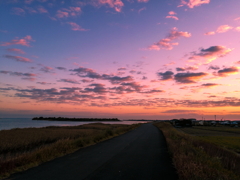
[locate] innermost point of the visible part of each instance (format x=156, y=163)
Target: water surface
x=11, y=123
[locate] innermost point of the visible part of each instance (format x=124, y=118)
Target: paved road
x=140, y=154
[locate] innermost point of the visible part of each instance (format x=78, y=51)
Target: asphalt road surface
x=140, y=154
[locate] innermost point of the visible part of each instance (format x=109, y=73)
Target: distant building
x=183, y=123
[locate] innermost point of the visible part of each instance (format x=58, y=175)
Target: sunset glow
x=126, y=59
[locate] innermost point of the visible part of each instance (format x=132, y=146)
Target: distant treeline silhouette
x=74, y=119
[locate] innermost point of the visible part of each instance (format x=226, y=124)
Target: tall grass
x=196, y=159
x=220, y=128
x=21, y=149
x=228, y=142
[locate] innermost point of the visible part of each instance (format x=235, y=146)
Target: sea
x=12, y=123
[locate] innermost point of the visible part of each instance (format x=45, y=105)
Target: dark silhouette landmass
x=74, y=119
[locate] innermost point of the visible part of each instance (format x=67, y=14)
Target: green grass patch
x=220, y=129
x=228, y=142
x=21, y=149
x=225, y=136
x=196, y=159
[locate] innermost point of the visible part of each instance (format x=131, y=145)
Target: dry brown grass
x=196, y=159
x=21, y=149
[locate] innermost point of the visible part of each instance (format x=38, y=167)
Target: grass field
x=21, y=149
x=225, y=136
x=212, y=131
x=197, y=156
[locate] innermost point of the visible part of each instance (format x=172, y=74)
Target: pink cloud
x=181, y=5
x=18, y=58
x=116, y=4
x=169, y=64
x=46, y=69
x=237, y=28
x=189, y=68
x=15, y=50
x=62, y=14
x=167, y=43
x=223, y=28
x=210, y=33
x=30, y=10
x=193, y=3
x=28, y=1
x=142, y=1
x=3, y=31
x=173, y=17
x=154, y=47
x=76, y=27
x=42, y=10
x=210, y=54
x=237, y=19
x=68, y=12
x=24, y=41
x=76, y=9
x=18, y=11
x=171, y=13
x=141, y=9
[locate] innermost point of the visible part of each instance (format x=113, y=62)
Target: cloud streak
x=167, y=42
x=117, y=5
x=25, y=76
x=172, y=17
x=15, y=50
x=209, y=54
x=228, y=71
x=68, y=12
x=18, y=11
x=168, y=75
x=76, y=27
x=220, y=29
x=189, y=78
x=72, y=81
x=90, y=73
x=193, y=3
x=18, y=58
x=24, y=41
x=223, y=28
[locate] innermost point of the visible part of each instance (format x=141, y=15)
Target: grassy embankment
x=224, y=136
x=201, y=158
x=21, y=149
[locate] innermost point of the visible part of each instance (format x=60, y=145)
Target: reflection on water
x=10, y=123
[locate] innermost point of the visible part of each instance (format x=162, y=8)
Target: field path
x=140, y=154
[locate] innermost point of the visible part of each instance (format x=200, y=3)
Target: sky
x=126, y=59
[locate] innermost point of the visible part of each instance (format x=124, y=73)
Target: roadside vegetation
x=202, y=158
x=21, y=149
x=212, y=131
x=225, y=136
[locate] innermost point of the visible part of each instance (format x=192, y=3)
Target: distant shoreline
x=73, y=119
